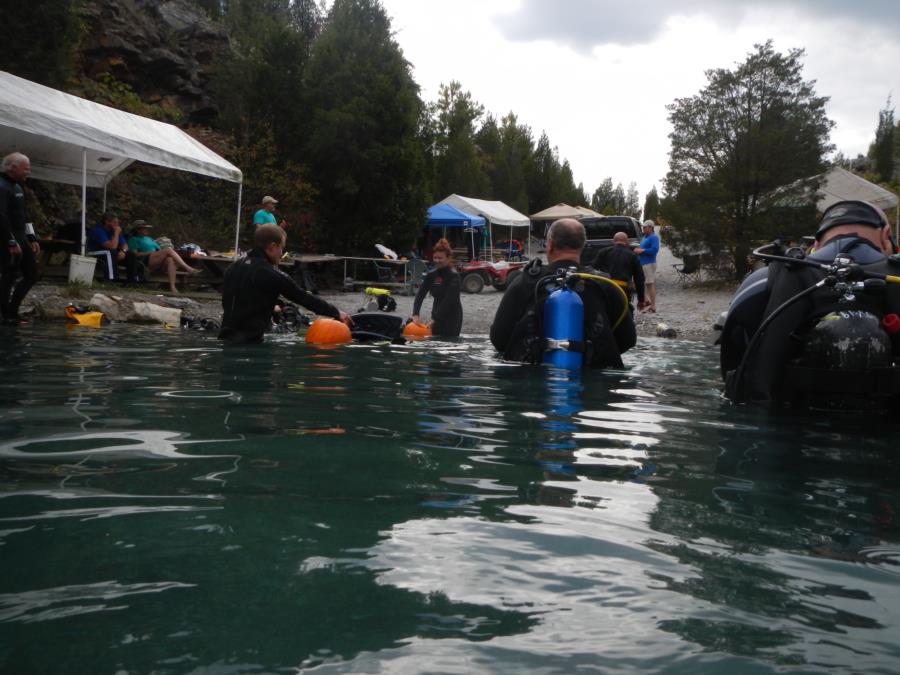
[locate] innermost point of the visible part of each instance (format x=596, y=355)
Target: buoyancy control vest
x=537, y=335
x=825, y=344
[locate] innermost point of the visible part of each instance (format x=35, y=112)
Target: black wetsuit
x=764, y=291
x=443, y=283
x=12, y=228
x=252, y=288
x=516, y=331
x=622, y=264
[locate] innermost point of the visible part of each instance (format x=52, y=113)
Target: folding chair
x=688, y=271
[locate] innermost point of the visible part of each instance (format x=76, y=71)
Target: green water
x=170, y=506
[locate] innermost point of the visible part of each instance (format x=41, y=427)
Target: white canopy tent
x=496, y=213
x=72, y=140
x=839, y=184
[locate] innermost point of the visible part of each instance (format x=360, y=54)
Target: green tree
x=457, y=161
x=364, y=147
x=602, y=199
x=509, y=180
x=651, y=205
x=40, y=40
x=543, y=176
x=632, y=201
x=741, y=147
x=882, y=150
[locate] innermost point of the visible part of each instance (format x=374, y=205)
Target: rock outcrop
x=163, y=49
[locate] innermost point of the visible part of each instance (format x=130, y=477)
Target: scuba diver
x=253, y=286
x=443, y=282
x=561, y=313
x=820, y=330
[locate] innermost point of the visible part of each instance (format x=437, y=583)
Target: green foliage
x=739, y=149
x=363, y=147
x=651, y=205
x=457, y=160
x=40, y=40
x=106, y=89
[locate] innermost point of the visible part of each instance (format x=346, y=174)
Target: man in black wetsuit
x=18, y=248
x=253, y=285
x=851, y=229
x=623, y=265
x=608, y=325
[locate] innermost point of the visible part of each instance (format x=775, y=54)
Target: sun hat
x=850, y=212
x=269, y=200
x=138, y=224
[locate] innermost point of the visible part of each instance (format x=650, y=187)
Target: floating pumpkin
x=416, y=330
x=328, y=332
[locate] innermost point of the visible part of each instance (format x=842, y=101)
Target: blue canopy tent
x=445, y=215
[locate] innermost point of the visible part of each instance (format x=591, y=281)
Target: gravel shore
x=689, y=310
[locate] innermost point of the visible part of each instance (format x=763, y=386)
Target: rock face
x=163, y=49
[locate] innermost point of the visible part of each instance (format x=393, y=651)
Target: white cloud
x=604, y=105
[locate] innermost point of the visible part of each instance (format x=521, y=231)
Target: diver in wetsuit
x=608, y=325
x=253, y=285
x=794, y=332
x=622, y=265
x=443, y=283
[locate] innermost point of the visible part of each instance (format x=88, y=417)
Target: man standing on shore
x=623, y=266
x=266, y=214
x=19, y=247
x=647, y=252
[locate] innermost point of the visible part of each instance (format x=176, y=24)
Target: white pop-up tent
x=839, y=184
x=496, y=213
x=72, y=140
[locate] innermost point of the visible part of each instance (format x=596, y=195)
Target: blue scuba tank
x=563, y=322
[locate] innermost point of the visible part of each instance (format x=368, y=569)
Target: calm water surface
x=170, y=506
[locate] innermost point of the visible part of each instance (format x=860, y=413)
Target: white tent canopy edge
x=72, y=140
x=496, y=213
x=839, y=184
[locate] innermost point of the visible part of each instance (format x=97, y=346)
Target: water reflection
x=426, y=507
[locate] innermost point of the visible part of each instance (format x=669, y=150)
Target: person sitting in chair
x=157, y=259
x=105, y=241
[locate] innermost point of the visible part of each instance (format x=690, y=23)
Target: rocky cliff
x=162, y=49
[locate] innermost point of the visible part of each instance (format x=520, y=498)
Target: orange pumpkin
x=328, y=332
x=416, y=330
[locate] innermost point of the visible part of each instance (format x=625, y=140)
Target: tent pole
x=897, y=224
x=237, y=228
x=104, y=195
x=491, y=238
x=83, y=196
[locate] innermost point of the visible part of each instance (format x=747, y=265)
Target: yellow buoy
x=328, y=332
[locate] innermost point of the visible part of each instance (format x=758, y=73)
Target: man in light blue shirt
x=647, y=251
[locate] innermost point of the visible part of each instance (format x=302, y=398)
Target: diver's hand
x=414, y=318
x=346, y=318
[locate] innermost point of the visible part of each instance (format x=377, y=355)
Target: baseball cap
x=648, y=223
x=850, y=212
x=269, y=200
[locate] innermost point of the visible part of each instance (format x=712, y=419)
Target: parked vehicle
x=600, y=232
x=475, y=274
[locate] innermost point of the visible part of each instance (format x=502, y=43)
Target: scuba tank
x=564, y=329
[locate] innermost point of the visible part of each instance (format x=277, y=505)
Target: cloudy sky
x=596, y=75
